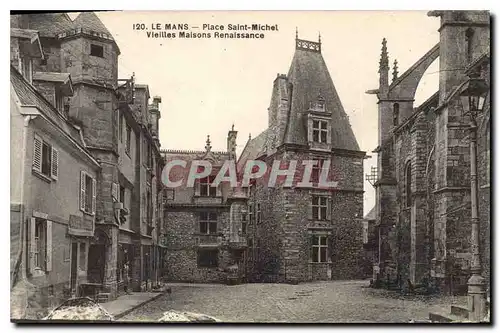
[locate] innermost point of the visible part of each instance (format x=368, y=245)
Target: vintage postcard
x=250, y=167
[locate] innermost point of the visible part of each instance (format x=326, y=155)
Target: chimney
x=231, y=142
x=155, y=115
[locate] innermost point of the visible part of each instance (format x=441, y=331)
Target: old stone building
x=71, y=67
x=423, y=190
x=204, y=224
x=314, y=232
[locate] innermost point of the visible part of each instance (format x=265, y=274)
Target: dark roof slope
x=254, y=148
x=90, y=21
x=310, y=77
x=50, y=25
x=29, y=96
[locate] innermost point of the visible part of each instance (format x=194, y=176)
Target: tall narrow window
x=319, y=249
x=469, y=35
x=319, y=131
x=395, y=114
x=408, y=185
x=319, y=207
x=206, y=190
x=208, y=223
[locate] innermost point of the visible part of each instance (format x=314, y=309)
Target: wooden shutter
x=54, y=168
x=37, y=154
x=94, y=192
x=82, y=190
x=32, y=226
x=48, y=247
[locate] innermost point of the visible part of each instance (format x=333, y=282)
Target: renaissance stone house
x=204, y=225
x=423, y=190
x=110, y=131
x=306, y=233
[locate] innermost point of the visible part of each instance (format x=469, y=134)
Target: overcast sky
x=206, y=85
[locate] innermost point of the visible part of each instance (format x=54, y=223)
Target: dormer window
x=319, y=131
x=96, y=50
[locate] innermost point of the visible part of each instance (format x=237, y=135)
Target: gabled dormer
x=57, y=88
x=24, y=47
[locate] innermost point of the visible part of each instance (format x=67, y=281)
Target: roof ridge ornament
x=208, y=146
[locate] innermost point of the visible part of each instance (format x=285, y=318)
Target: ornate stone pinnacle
x=384, y=59
x=208, y=147
x=395, y=70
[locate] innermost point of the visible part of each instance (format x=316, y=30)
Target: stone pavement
x=314, y=302
x=126, y=303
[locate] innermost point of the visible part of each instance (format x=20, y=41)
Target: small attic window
x=96, y=50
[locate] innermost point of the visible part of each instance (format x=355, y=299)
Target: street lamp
x=473, y=96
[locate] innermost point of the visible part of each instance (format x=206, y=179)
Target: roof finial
x=319, y=37
x=249, y=136
x=384, y=59
x=395, y=71
x=296, y=33
x=208, y=147
x=232, y=127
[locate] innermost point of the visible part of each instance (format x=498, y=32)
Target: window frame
x=206, y=185
x=209, y=219
x=94, y=47
x=317, y=208
x=318, y=248
x=319, y=130
x=45, y=159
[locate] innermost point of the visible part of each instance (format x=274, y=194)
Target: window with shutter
x=82, y=191
x=94, y=192
x=37, y=154
x=55, y=164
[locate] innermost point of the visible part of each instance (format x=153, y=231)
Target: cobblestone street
x=333, y=301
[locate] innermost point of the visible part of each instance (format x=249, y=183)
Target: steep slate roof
x=90, y=21
x=29, y=96
x=50, y=25
x=310, y=77
x=253, y=149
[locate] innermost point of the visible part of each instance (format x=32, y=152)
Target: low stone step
x=102, y=297
x=445, y=318
x=460, y=311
